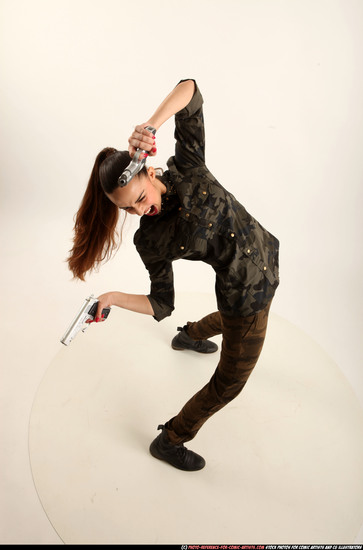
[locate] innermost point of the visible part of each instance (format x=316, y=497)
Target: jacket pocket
x=261, y=263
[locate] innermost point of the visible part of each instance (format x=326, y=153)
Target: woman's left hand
x=142, y=139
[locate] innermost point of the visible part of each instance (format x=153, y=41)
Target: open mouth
x=152, y=211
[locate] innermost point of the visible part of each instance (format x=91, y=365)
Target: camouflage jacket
x=200, y=220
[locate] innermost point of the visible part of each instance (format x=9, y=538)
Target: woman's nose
x=138, y=209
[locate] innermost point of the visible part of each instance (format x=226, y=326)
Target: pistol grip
x=93, y=310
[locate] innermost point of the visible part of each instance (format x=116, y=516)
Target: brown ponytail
x=95, y=236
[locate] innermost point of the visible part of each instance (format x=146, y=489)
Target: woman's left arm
x=178, y=98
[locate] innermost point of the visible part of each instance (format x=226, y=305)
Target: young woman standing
x=185, y=214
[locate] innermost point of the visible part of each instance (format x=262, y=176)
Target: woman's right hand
x=105, y=300
x=142, y=139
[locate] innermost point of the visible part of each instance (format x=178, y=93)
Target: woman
x=185, y=213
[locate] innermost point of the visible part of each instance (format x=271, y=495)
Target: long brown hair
x=95, y=228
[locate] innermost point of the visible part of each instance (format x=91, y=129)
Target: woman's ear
x=152, y=173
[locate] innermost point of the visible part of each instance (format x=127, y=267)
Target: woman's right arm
x=133, y=302
x=159, y=302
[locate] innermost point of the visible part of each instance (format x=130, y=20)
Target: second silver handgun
x=136, y=164
x=86, y=313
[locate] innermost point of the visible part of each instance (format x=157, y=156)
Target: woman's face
x=142, y=196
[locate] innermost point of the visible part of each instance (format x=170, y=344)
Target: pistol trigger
x=86, y=324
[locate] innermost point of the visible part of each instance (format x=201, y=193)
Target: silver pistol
x=136, y=164
x=86, y=313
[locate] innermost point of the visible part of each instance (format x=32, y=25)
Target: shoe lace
x=196, y=343
x=181, y=451
x=199, y=344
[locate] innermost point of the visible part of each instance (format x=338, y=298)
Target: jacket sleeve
x=189, y=133
x=159, y=267
x=162, y=293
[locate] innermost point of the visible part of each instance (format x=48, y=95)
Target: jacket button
x=204, y=192
x=264, y=268
x=210, y=225
x=180, y=208
x=187, y=215
x=248, y=251
x=232, y=234
x=182, y=248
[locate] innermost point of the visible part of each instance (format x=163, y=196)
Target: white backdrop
x=282, y=84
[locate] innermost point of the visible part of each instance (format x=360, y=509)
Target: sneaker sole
x=191, y=349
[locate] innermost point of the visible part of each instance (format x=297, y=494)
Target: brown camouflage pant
x=243, y=338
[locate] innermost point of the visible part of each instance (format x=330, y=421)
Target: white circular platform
x=284, y=459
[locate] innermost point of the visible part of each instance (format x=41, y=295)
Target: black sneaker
x=176, y=455
x=183, y=341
